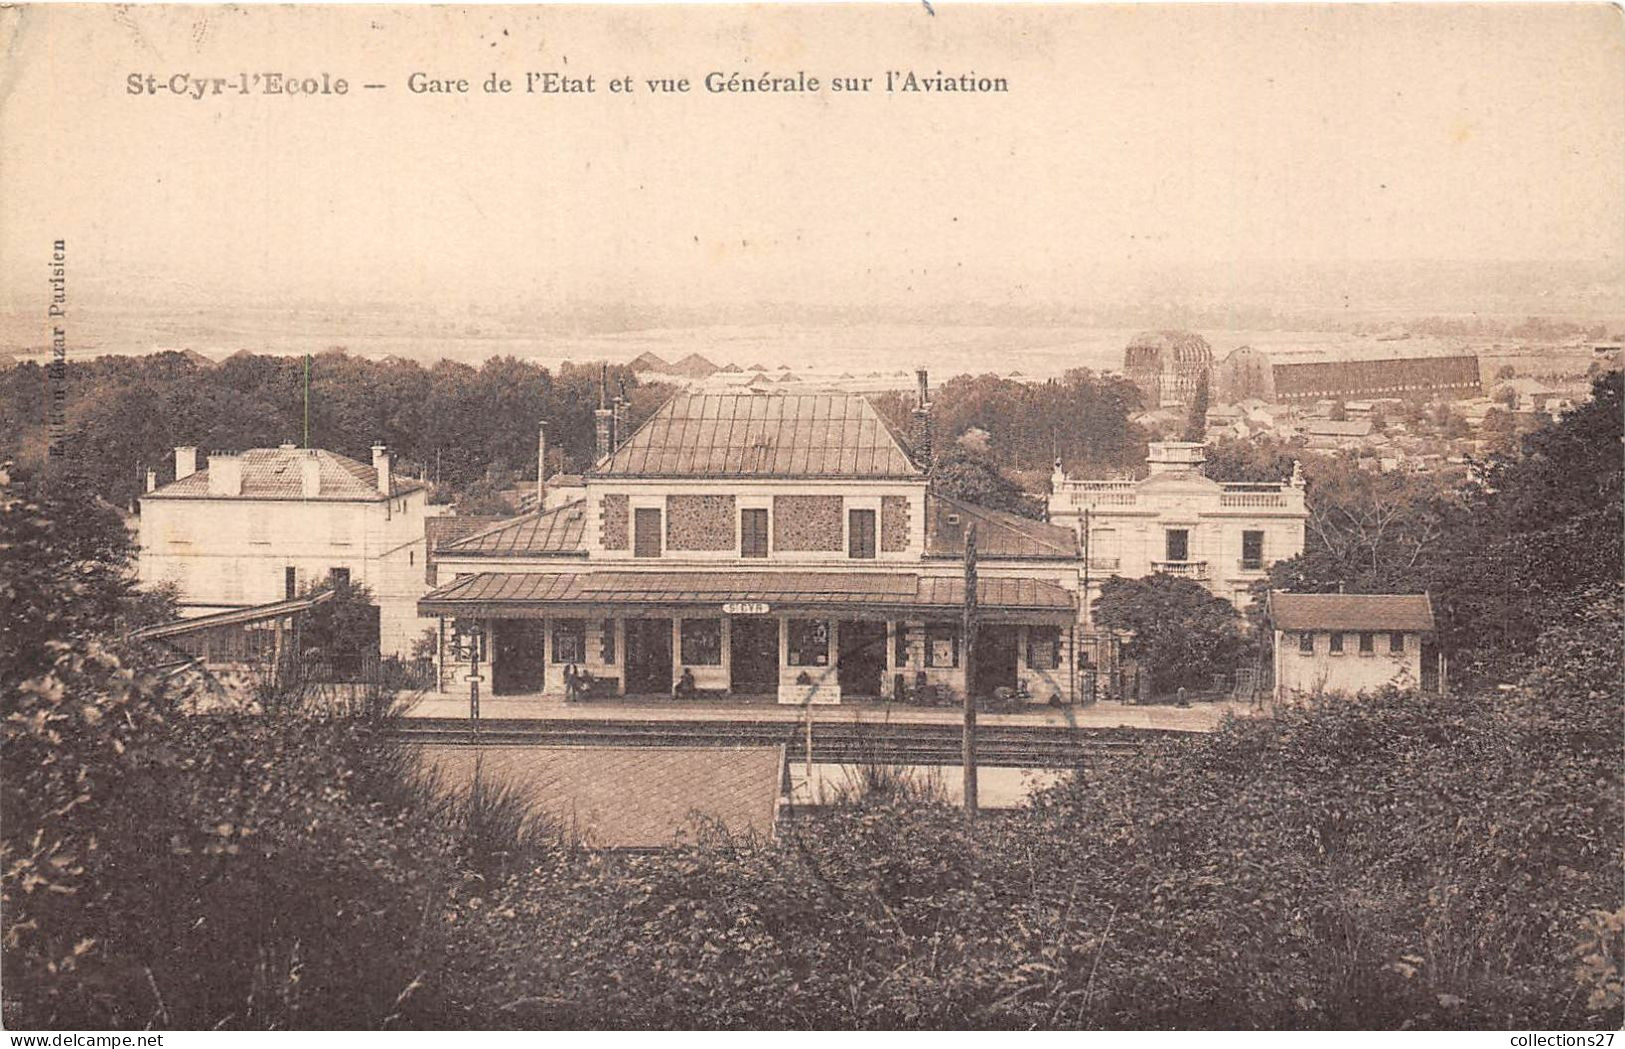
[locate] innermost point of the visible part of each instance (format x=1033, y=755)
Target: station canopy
x=532, y=594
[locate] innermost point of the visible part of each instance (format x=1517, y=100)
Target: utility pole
x=968, y=754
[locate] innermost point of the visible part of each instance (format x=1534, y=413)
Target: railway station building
x=757, y=544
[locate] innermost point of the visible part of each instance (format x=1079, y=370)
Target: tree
x=1196, y=419
x=1367, y=533
x=1180, y=632
x=962, y=474
x=1541, y=531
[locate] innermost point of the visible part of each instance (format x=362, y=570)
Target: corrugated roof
x=801, y=589
x=723, y=434
x=275, y=473
x=552, y=532
x=629, y=797
x=1351, y=611
x=998, y=534
x=235, y=617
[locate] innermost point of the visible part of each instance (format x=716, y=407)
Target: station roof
x=555, y=532
x=508, y=593
x=234, y=617
x=1413, y=612
x=765, y=435
x=998, y=534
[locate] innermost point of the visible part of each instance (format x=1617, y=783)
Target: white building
x=1222, y=535
x=1353, y=643
x=261, y=525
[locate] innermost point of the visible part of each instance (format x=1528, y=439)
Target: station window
x=646, y=538
x=808, y=642
x=1368, y=643
x=1396, y=642
x=1337, y=642
x=1043, y=647
x=1306, y=642
x=860, y=534
x=569, y=640
x=702, y=642
x=942, y=644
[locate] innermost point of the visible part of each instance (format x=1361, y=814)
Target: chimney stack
x=922, y=421
x=152, y=480
x=541, y=466
x=621, y=406
x=310, y=474
x=225, y=474
x=185, y=461
x=380, y=463
x=604, y=417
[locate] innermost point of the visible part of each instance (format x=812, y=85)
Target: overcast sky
x=1130, y=138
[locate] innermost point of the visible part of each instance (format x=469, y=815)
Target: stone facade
x=614, y=518
x=700, y=522
x=894, y=523
x=807, y=522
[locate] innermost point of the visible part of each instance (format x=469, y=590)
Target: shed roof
x=550, y=533
x=275, y=473
x=998, y=534
x=629, y=797
x=794, y=435
x=232, y=617
x=1351, y=611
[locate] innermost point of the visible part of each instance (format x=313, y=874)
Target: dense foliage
x=1082, y=418
x=449, y=422
x=1178, y=631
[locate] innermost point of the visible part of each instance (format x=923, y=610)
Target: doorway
x=518, y=662
x=861, y=662
x=648, y=656
x=753, y=655
x=995, y=664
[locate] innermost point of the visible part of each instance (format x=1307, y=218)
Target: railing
x=1245, y=494
x=1252, y=499
x=1101, y=493
x=1182, y=569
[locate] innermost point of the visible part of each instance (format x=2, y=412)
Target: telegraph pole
x=968, y=755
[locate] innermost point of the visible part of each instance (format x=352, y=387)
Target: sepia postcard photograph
x=913, y=517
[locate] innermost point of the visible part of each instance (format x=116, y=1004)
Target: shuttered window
x=753, y=533
x=860, y=538
x=646, y=533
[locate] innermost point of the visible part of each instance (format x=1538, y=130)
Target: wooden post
x=968, y=754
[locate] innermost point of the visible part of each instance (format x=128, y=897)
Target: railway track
x=834, y=742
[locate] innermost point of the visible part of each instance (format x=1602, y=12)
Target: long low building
x=782, y=545
x=1248, y=373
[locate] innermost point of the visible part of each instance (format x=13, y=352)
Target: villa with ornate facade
x=1177, y=521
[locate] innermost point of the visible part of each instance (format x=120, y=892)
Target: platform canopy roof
x=762, y=435
x=538, y=593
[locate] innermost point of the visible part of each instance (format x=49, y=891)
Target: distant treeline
x=1082, y=418
x=449, y=422
x=461, y=426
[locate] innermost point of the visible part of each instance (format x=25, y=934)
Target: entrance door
x=648, y=656
x=518, y=663
x=995, y=664
x=861, y=662
x=753, y=655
